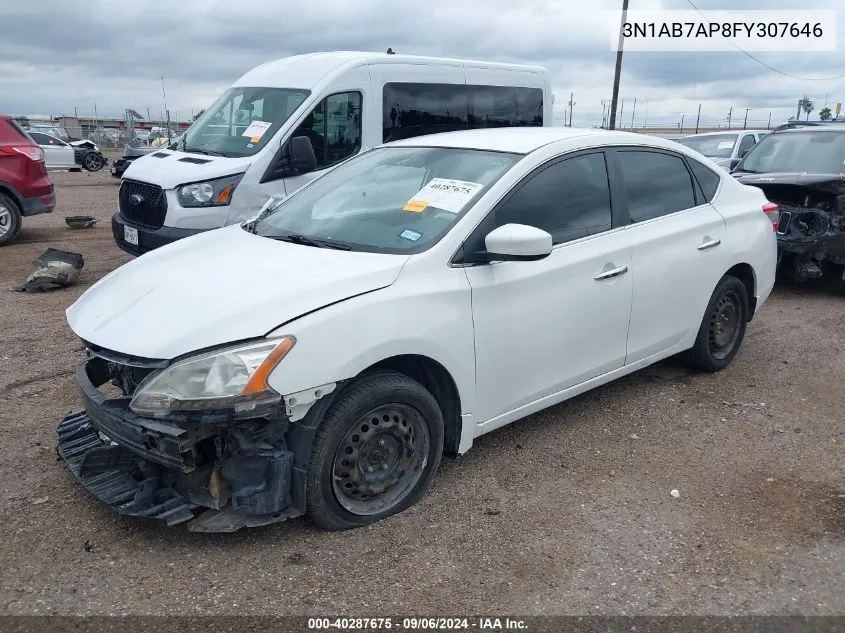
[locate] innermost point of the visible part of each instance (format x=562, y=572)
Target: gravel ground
x=566, y=512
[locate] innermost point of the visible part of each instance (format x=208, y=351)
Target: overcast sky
x=57, y=55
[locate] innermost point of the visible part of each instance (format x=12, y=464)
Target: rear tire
x=722, y=329
x=10, y=220
x=375, y=453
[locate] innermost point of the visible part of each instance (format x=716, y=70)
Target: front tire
x=92, y=161
x=10, y=220
x=722, y=329
x=376, y=452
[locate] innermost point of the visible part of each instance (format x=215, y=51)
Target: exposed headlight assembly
x=211, y=193
x=234, y=379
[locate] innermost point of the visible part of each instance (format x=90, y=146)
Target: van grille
x=142, y=203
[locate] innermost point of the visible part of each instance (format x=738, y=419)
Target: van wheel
x=722, y=328
x=375, y=453
x=10, y=220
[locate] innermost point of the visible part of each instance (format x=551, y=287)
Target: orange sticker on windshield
x=255, y=139
x=416, y=206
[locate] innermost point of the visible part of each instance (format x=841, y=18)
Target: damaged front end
x=811, y=225
x=217, y=470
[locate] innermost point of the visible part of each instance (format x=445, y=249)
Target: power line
x=760, y=61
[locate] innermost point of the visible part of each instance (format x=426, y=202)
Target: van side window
x=334, y=128
x=504, y=106
x=411, y=110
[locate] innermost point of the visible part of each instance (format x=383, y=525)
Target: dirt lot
x=568, y=511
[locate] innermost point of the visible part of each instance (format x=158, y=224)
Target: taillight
x=32, y=152
x=773, y=211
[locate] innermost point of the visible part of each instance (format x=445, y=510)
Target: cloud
x=57, y=55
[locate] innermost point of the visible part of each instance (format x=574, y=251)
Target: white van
x=238, y=154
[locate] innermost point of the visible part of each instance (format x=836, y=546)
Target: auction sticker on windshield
x=443, y=193
x=256, y=130
x=725, y=145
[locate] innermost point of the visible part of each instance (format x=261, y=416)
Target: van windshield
x=242, y=121
x=391, y=200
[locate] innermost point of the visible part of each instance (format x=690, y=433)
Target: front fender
x=432, y=318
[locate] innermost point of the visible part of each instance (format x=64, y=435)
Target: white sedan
x=320, y=358
x=58, y=155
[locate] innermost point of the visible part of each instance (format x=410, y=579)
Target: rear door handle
x=613, y=272
x=709, y=244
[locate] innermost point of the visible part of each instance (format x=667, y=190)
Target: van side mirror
x=294, y=159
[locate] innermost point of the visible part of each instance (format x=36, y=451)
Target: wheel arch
x=9, y=191
x=439, y=382
x=745, y=273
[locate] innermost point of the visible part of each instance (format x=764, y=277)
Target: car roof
x=524, y=140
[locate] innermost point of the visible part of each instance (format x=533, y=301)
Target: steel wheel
x=723, y=331
x=5, y=220
x=381, y=459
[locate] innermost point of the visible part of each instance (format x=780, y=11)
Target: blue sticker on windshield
x=410, y=235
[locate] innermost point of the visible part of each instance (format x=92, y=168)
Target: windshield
x=715, y=146
x=816, y=152
x=389, y=200
x=242, y=121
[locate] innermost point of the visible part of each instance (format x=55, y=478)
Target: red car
x=25, y=187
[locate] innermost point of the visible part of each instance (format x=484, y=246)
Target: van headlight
x=211, y=193
x=234, y=378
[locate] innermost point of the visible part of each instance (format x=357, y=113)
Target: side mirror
x=294, y=159
x=734, y=163
x=518, y=242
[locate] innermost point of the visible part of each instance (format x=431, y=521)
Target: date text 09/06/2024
x=417, y=624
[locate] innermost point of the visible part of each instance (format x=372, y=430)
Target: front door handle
x=709, y=244
x=613, y=272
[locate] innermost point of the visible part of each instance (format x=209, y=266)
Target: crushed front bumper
x=217, y=475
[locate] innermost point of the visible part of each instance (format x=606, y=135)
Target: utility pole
x=603, y=117
x=730, y=112
x=618, y=71
x=96, y=121
x=681, y=126
x=75, y=113
x=621, y=110
x=769, y=125
x=571, y=103
x=745, y=123
x=698, y=118
x=645, y=120
x=633, y=113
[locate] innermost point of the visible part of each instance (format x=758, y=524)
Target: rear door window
x=657, y=184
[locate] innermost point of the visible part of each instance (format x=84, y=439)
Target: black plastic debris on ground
x=53, y=269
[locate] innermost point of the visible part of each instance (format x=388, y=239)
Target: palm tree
x=824, y=114
x=808, y=107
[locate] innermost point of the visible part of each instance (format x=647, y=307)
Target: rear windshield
x=715, y=146
x=811, y=151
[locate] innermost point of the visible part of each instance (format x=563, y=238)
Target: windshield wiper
x=197, y=150
x=296, y=238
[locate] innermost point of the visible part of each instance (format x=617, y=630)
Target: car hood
x=219, y=287
x=169, y=169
